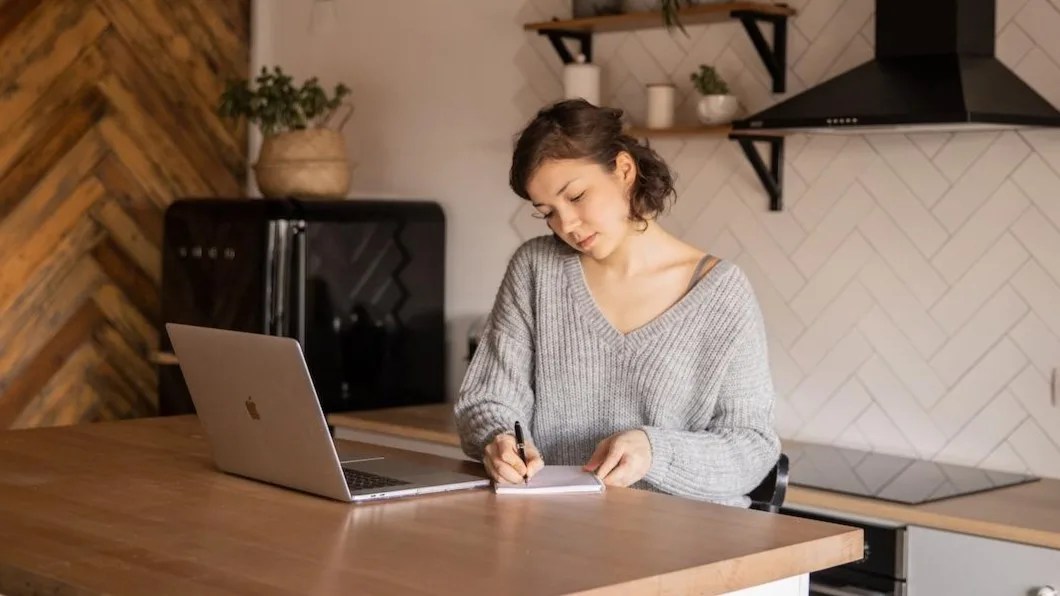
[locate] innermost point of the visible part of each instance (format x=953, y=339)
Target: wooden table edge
x=797, y=495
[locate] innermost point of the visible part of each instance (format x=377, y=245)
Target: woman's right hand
x=502, y=462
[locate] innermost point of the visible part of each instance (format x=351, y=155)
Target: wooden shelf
x=768, y=173
x=752, y=15
x=691, y=15
x=679, y=131
x=692, y=130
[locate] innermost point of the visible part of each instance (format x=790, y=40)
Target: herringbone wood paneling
x=910, y=287
x=106, y=115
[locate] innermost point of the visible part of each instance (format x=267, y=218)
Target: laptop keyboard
x=358, y=480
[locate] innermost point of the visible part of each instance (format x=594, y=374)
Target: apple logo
x=252, y=409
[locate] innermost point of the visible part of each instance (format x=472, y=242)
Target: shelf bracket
x=556, y=36
x=775, y=59
x=772, y=177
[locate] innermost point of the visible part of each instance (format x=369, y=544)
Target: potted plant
x=595, y=8
x=302, y=154
x=670, y=10
x=717, y=106
x=671, y=19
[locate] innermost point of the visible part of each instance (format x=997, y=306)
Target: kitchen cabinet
x=960, y=564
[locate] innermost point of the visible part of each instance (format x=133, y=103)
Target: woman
x=616, y=345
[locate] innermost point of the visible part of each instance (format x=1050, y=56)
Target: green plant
x=708, y=82
x=276, y=105
x=671, y=17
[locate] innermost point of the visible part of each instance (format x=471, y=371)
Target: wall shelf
x=750, y=14
x=770, y=174
x=678, y=131
x=690, y=15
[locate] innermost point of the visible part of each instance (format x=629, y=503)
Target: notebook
x=553, y=480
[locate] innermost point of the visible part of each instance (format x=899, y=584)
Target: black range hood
x=934, y=70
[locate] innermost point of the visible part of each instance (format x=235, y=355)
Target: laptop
x=256, y=402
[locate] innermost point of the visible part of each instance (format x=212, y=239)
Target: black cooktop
x=889, y=477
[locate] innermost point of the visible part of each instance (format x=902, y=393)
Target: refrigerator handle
x=276, y=278
x=297, y=306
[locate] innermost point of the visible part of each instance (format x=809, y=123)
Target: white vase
x=717, y=109
x=581, y=79
x=660, y=112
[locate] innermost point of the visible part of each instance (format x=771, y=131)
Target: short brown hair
x=576, y=129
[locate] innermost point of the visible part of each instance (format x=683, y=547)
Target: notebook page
x=555, y=480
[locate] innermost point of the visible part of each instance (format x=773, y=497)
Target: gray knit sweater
x=695, y=379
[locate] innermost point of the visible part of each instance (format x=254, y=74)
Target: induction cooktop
x=889, y=477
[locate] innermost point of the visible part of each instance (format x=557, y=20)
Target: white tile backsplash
x=981, y=281
x=1036, y=448
x=969, y=243
x=1038, y=343
x=895, y=196
x=838, y=176
x=841, y=267
x=1041, y=238
x=961, y=151
x=1041, y=21
x=836, y=368
x=834, y=229
x=1040, y=183
x=973, y=340
x=924, y=180
x=910, y=287
x=846, y=18
x=983, y=383
x=844, y=407
x=986, y=431
x=1041, y=292
x=837, y=319
x=888, y=391
x=903, y=257
x=902, y=307
x=900, y=355
x=981, y=180
x=900, y=286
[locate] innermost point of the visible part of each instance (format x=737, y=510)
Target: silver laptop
x=257, y=403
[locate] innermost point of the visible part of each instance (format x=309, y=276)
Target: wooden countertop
x=138, y=507
x=1027, y=513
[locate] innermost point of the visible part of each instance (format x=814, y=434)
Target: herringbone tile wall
x=911, y=287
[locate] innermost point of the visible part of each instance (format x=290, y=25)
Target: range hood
x=934, y=70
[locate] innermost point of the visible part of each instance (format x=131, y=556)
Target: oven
x=882, y=570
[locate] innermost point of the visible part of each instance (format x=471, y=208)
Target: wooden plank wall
x=106, y=115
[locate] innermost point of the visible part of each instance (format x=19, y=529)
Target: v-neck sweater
x=695, y=379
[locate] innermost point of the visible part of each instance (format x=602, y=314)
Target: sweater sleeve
x=497, y=389
x=730, y=457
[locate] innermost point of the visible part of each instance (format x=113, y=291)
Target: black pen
x=519, y=446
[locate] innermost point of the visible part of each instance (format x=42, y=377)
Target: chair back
x=769, y=494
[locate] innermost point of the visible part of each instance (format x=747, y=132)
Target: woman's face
x=583, y=203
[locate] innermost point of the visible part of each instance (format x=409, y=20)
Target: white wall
x=911, y=286
x=433, y=83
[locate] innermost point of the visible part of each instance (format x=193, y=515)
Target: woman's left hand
x=621, y=459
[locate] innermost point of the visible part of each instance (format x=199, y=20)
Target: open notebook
x=554, y=480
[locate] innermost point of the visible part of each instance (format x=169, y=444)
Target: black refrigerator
x=359, y=283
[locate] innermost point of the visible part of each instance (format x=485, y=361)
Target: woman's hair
x=576, y=129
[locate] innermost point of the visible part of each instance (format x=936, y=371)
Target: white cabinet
x=950, y=563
